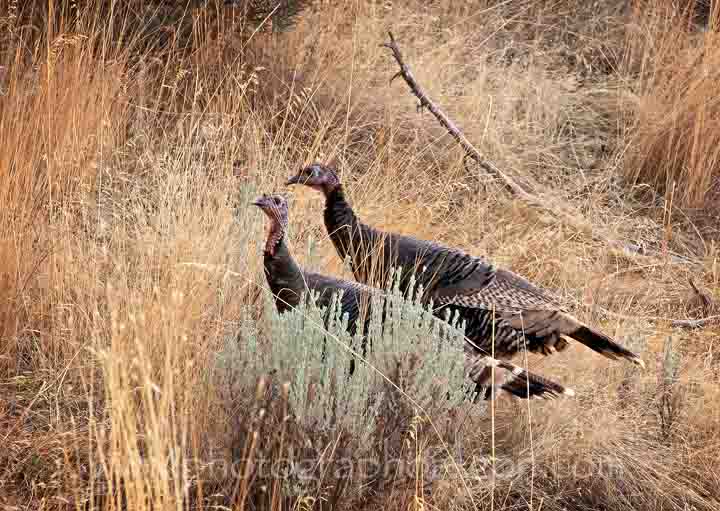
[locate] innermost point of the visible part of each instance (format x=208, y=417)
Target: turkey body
x=290, y=284
x=502, y=311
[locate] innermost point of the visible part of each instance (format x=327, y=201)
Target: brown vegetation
x=675, y=105
x=125, y=146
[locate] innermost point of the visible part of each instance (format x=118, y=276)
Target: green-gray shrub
x=297, y=347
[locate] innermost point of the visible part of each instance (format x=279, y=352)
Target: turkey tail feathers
x=604, y=345
x=515, y=380
x=550, y=324
x=524, y=384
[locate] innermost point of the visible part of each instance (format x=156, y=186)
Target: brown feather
x=552, y=324
x=514, y=379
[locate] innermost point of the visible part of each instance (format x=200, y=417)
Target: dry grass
x=117, y=158
x=674, y=105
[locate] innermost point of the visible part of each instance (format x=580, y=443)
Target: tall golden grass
x=130, y=253
x=675, y=103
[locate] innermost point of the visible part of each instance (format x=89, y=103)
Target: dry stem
x=509, y=184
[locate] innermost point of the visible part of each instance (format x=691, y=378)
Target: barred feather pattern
x=516, y=381
x=289, y=284
x=513, y=379
x=355, y=300
x=497, y=305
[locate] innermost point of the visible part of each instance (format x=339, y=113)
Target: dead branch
x=509, y=184
x=471, y=152
x=694, y=323
x=452, y=128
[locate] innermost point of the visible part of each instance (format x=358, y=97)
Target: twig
x=471, y=152
x=694, y=323
x=450, y=126
x=513, y=187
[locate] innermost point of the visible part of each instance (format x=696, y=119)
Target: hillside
x=141, y=363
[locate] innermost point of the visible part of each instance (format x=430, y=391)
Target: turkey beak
x=259, y=202
x=293, y=180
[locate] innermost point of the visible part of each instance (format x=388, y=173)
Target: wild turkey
x=524, y=316
x=289, y=284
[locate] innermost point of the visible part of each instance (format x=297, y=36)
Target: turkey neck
x=371, y=252
x=345, y=230
x=340, y=222
x=283, y=274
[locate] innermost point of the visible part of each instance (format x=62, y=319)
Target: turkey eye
x=276, y=200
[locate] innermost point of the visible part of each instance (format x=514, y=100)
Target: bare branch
x=568, y=217
x=694, y=323
x=449, y=125
x=471, y=152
